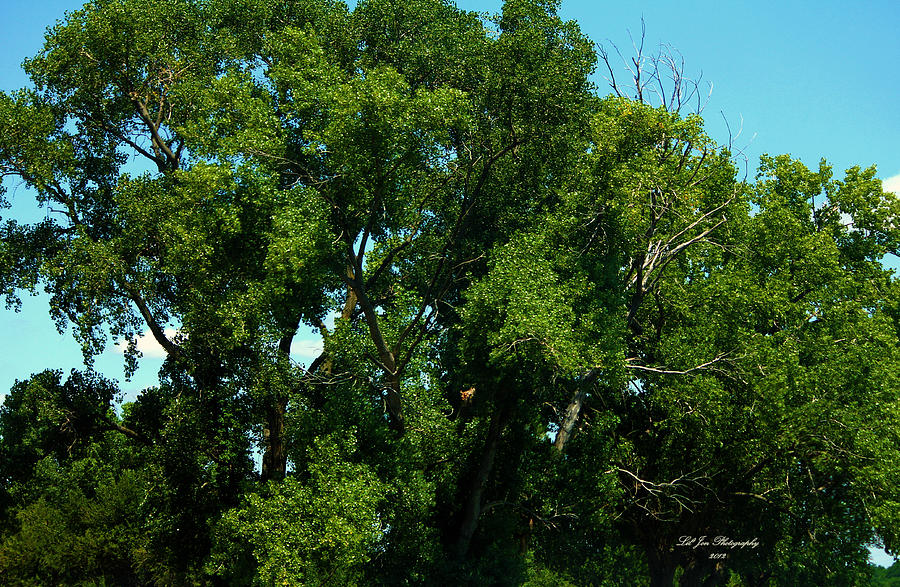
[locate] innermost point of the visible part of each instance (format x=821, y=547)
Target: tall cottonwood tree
x=300, y=159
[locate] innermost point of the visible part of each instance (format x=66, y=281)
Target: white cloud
x=148, y=345
x=306, y=348
x=301, y=349
x=847, y=220
x=892, y=184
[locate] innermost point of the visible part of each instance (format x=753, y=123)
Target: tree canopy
x=564, y=341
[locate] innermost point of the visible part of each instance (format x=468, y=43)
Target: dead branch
x=664, y=371
x=657, y=79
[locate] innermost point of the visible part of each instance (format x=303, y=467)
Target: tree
x=72, y=498
x=889, y=576
x=744, y=416
x=299, y=159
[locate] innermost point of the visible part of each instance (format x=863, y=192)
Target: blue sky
x=810, y=79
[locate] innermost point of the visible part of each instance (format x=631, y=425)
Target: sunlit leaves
x=306, y=531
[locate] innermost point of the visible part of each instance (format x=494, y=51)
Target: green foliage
x=521, y=308
x=79, y=538
x=322, y=528
x=886, y=577
x=73, y=499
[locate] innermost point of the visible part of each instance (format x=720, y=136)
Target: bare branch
x=665, y=371
x=660, y=74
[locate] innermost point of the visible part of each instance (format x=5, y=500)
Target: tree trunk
x=274, y=462
x=472, y=508
x=387, y=359
x=662, y=568
x=395, y=405
x=693, y=575
x=568, y=423
x=573, y=411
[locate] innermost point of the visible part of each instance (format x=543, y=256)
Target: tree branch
x=133, y=434
x=674, y=371
x=155, y=329
x=154, y=132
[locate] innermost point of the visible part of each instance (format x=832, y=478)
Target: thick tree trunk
x=703, y=574
x=662, y=568
x=395, y=405
x=472, y=509
x=693, y=575
x=274, y=462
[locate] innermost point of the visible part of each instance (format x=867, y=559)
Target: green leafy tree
x=299, y=160
x=73, y=490
x=746, y=412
